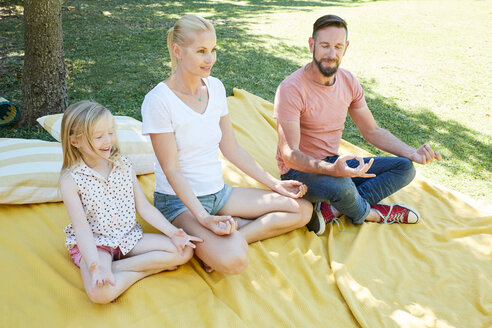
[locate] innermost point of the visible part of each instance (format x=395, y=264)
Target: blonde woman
x=102, y=195
x=187, y=119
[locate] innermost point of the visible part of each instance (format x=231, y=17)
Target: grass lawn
x=425, y=66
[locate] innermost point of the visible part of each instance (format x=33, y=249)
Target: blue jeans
x=354, y=196
x=171, y=206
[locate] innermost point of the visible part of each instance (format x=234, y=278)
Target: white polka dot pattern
x=109, y=206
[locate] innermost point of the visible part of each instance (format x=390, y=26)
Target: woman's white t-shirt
x=197, y=135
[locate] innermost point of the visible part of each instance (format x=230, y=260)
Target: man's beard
x=326, y=71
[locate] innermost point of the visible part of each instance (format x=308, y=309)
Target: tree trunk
x=44, y=87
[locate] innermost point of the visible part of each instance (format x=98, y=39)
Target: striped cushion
x=132, y=143
x=29, y=171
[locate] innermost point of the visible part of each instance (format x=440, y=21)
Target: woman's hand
x=220, y=225
x=290, y=188
x=101, y=276
x=181, y=239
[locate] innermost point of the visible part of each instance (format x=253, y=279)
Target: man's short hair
x=329, y=20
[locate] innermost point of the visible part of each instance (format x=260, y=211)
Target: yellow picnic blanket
x=437, y=273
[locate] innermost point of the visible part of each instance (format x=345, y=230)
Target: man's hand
x=425, y=155
x=341, y=169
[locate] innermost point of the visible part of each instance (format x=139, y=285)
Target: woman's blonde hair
x=78, y=121
x=179, y=33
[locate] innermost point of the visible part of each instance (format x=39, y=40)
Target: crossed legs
x=262, y=214
x=152, y=254
x=354, y=196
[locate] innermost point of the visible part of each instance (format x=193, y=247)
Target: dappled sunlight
x=256, y=285
x=419, y=317
x=361, y=293
x=312, y=258
x=480, y=245
x=235, y=177
x=13, y=54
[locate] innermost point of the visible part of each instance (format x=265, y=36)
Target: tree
x=44, y=86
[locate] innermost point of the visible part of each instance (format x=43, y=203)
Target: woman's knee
x=233, y=263
x=305, y=212
x=231, y=258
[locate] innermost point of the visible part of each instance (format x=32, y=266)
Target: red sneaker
x=396, y=213
x=326, y=211
x=322, y=214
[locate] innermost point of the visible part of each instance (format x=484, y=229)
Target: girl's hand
x=100, y=276
x=290, y=188
x=181, y=239
x=220, y=225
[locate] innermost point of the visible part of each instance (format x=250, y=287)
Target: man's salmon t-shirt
x=320, y=110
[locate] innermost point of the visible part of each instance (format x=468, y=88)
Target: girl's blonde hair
x=78, y=121
x=180, y=33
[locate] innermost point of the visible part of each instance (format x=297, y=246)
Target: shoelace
x=391, y=218
x=338, y=221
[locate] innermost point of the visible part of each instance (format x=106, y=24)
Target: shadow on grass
x=116, y=52
x=416, y=126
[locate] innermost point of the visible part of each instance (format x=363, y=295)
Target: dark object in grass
x=9, y=112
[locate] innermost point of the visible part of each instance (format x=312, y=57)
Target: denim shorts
x=171, y=206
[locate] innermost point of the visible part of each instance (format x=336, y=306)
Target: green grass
x=425, y=65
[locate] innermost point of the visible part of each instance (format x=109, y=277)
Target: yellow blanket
x=437, y=273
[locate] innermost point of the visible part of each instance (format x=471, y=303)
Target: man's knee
x=407, y=169
x=333, y=189
x=345, y=190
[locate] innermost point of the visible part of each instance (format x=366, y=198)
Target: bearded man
x=311, y=107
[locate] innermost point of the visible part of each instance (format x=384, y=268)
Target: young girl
x=101, y=193
x=187, y=119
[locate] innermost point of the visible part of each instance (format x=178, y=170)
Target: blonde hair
x=78, y=121
x=179, y=33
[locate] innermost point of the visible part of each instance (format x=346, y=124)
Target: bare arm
x=83, y=233
x=243, y=160
x=153, y=216
x=80, y=225
x=289, y=137
x=385, y=140
x=165, y=148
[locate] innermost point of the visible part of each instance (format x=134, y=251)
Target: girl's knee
x=101, y=295
x=187, y=255
x=176, y=259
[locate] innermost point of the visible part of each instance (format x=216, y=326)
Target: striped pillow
x=132, y=143
x=29, y=171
